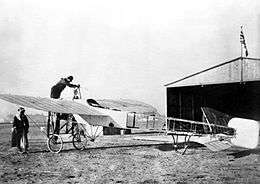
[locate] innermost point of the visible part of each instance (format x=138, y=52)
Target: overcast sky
x=118, y=48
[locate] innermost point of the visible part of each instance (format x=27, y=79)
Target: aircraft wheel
x=79, y=141
x=55, y=143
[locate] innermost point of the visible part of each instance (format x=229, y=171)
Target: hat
x=70, y=78
x=21, y=109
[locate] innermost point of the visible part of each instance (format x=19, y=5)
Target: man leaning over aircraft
x=61, y=85
x=56, y=91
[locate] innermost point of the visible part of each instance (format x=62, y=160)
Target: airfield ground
x=119, y=159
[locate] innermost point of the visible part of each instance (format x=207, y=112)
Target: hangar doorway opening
x=236, y=99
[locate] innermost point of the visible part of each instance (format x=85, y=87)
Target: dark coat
x=21, y=124
x=59, y=87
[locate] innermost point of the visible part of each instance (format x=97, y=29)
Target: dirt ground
x=120, y=159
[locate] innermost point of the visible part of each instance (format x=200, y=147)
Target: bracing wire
x=36, y=125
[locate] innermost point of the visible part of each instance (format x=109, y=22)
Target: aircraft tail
x=217, y=145
x=247, y=132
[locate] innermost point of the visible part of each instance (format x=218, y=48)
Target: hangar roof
x=240, y=69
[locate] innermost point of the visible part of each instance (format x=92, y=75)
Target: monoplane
x=82, y=119
x=217, y=131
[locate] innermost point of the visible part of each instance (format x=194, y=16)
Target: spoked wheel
x=55, y=143
x=79, y=141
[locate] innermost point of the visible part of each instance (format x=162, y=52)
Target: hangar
x=232, y=87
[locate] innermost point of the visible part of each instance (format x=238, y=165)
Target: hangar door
x=236, y=99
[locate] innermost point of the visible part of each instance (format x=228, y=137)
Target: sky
x=118, y=48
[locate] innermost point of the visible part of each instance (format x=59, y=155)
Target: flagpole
x=241, y=67
x=241, y=44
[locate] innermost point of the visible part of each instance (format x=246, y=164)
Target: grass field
x=120, y=159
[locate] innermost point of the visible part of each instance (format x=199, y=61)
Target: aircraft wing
x=49, y=104
x=90, y=115
x=128, y=105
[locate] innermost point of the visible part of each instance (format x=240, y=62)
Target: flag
x=243, y=41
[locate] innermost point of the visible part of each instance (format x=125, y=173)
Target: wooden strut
x=50, y=124
x=186, y=142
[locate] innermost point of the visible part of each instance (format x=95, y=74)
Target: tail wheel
x=78, y=141
x=55, y=143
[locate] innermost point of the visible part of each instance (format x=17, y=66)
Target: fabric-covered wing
x=128, y=105
x=103, y=121
x=48, y=104
x=216, y=117
x=218, y=121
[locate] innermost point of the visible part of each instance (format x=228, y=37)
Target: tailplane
x=218, y=145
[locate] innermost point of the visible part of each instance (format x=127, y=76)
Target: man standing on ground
x=20, y=129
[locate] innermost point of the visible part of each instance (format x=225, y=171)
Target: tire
x=78, y=141
x=55, y=143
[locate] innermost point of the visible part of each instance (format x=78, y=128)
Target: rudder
x=247, y=132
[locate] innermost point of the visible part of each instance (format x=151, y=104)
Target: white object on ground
x=247, y=132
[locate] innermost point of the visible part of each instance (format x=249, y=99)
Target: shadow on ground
x=159, y=146
x=244, y=153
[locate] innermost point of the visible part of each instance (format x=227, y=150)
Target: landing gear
x=59, y=127
x=55, y=143
x=79, y=140
x=81, y=137
x=181, y=147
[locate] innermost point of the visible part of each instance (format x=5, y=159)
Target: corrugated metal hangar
x=232, y=87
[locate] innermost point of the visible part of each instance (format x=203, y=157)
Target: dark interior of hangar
x=235, y=99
